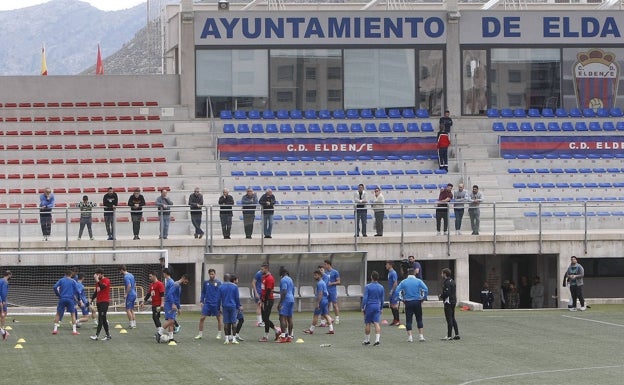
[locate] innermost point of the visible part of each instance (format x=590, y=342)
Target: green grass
x=497, y=347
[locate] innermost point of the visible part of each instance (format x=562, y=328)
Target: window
x=285, y=72
x=310, y=73
x=310, y=96
x=514, y=76
x=334, y=95
x=284, y=96
x=334, y=73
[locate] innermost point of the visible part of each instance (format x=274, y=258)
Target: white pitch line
x=539, y=372
x=593, y=320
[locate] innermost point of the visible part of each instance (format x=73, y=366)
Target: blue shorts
x=323, y=309
x=287, y=309
x=332, y=296
x=66, y=304
x=372, y=314
x=394, y=299
x=210, y=310
x=130, y=300
x=5, y=308
x=240, y=315
x=170, y=313
x=85, y=309
x=229, y=315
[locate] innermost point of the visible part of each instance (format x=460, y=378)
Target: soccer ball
x=162, y=338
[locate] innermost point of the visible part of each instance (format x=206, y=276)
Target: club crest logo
x=596, y=75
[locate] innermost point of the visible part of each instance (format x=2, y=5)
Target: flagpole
x=44, y=65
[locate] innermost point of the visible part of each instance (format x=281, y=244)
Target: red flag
x=99, y=66
x=44, y=66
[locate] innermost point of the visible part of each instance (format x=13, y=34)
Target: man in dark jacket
x=267, y=201
x=226, y=201
x=449, y=297
x=196, y=201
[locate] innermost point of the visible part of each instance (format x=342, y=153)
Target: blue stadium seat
x=353, y=172
x=281, y=173
x=268, y=114
x=533, y=185
x=342, y=128
x=243, y=128
x=324, y=114
x=576, y=185
x=512, y=126
x=528, y=170
x=408, y=113
x=313, y=128
x=608, y=126
x=602, y=112
x=310, y=114
x=605, y=185
x=575, y=113
x=324, y=172
x=514, y=171
x=580, y=126
x=240, y=188
x=283, y=114
x=539, y=126
x=338, y=114
x=556, y=170
x=413, y=127
x=384, y=127
x=422, y=113
x=380, y=113
x=352, y=114
x=295, y=173
x=339, y=172
x=526, y=126
x=366, y=114
x=328, y=187
x=492, y=113
x=519, y=113
x=370, y=127
x=328, y=128
x=548, y=185
x=506, y=113
x=298, y=188
x=498, y=126
x=394, y=113
x=567, y=126
x=542, y=170
x=296, y=114
x=571, y=171
x=426, y=171
x=561, y=112
x=300, y=128
x=400, y=187
x=599, y=170
x=562, y=185
x=283, y=188
x=426, y=127
x=356, y=127
x=286, y=128
x=257, y=128
x=595, y=126
x=349, y=158
x=228, y=128
x=252, y=173
x=534, y=113
x=313, y=187
x=271, y=128
x=240, y=114
x=226, y=114
x=613, y=170
x=416, y=186
x=553, y=126
x=343, y=187
x=382, y=172
x=266, y=173
x=398, y=127
x=430, y=186
x=548, y=113
x=397, y=172
x=368, y=172
x=616, y=112
x=237, y=173
x=590, y=185
x=290, y=217
x=588, y=112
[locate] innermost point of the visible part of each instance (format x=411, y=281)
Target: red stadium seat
x=140, y=131
x=114, y=146
x=26, y=133
x=12, y=147
x=99, y=146
x=151, y=103
x=147, y=174
x=28, y=161
x=38, y=105
x=43, y=161
x=54, y=118
x=89, y=190
x=69, y=132
x=145, y=160
x=56, y=147
x=82, y=119
x=161, y=174
x=130, y=160
x=68, y=119
x=81, y=104
x=10, y=105
x=95, y=104
x=43, y=176
x=41, y=133
x=97, y=132
x=143, y=145
x=160, y=160
x=117, y=175
x=129, y=145
x=127, y=132
x=97, y=118
x=125, y=117
x=103, y=175
x=138, y=104
x=132, y=175
x=10, y=119
x=155, y=131
x=71, y=147
x=149, y=189
x=57, y=161
x=75, y=220
x=153, y=117
x=119, y=189
x=71, y=161
x=74, y=190
x=15, y=191
x=158, y=145
x=115, y=160
x=25, y=119
x=31, y=220
x=53, y=104
x=123, y=104
x=84, y=132
x=28, y=147
x=73, y=175
x=58, y=176
x=88, y=175
x=30, y=191
x=28, y=176
x=110, y=118
x=30, y=205
x=112, y=132
x=109, y=104
x=60, y=190
x=85, y=146
x=101, y=160
x=67, y=104
x=25, y=105
x=139, y=117
x=86, y=161
x=40, y=119
x=12, y=133
x=55, y=132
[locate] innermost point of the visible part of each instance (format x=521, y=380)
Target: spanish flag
x=99, y=66
x=44, y=66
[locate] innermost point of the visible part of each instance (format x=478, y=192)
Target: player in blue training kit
x=332, y=288
x=230, y=303
x=393, y=281
x=372, y=303
x=172, y=301
x=210, y=300
x=322, y=304
x=83, y=301
x=256, y=286
x=66, y=289
x=131, y=295
x=4, y=292
x=286, y=305
x=413, y=291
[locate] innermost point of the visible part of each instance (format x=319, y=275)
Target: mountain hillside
x=71, y=31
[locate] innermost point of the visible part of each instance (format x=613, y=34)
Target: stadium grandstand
x=312, y=99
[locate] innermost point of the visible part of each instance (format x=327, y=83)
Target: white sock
x=367, y=338
x=56, y=325
x=377, y=337
x=312, y=328
x=201, y=333
x=331, y=327
x=74, y=328
x=259, y=318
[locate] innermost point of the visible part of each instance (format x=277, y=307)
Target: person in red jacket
x=444, y=141
x=102, y=299
x=156, y=292
x=266, y=298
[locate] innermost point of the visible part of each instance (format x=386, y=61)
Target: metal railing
x=318, y=221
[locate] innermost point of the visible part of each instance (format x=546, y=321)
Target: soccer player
x=4, y=292
x=130, y=294
x=256, y=286
x=240, y=317
x=449, y=297
x=332, y=288
x=210, y=300
x=67, y=291
x=102, y=299
x=286, y=305
x=230, y=303
x=393, y=281
x=372, y=303
x=325, y=278
x=322, y=304
x=172, y=300
x=413, y=291
x=83, y=301
x=156, y=292
x=266, y=302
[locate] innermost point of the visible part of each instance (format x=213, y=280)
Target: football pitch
x=496, y=347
